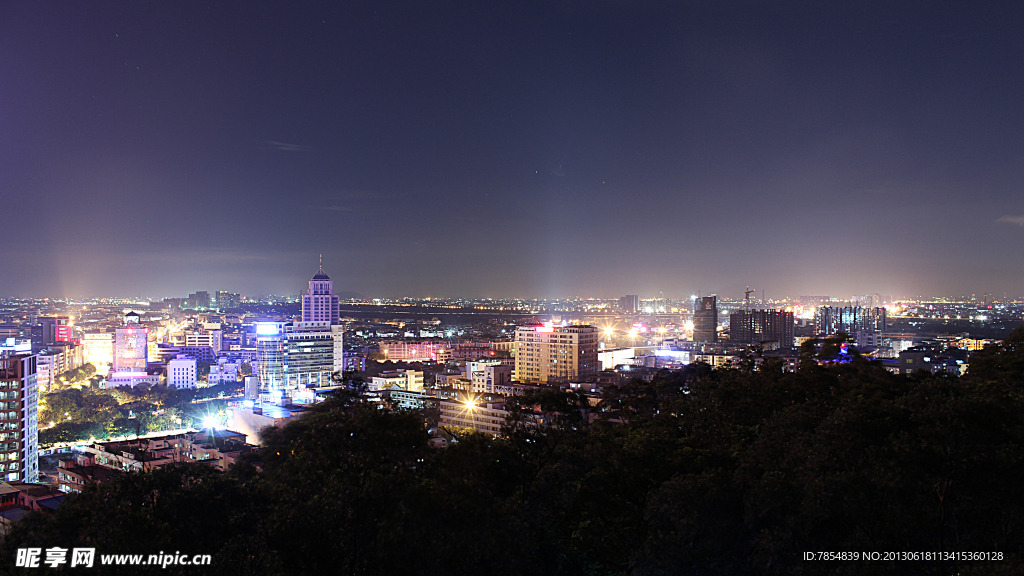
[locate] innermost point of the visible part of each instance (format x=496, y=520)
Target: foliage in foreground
x=709, y=472
x=78, y=414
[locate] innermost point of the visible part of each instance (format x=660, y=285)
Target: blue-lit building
x=270, y=346
x=299, y=355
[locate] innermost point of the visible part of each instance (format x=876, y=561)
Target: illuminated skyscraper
x=19, y=418
x=270, y=345
x=309, y=355
x=131, y=348
x=705, y=320
x=555, y=353
x=320, y=304
x=292, y=356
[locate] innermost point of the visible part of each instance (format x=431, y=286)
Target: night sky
x=531, y=149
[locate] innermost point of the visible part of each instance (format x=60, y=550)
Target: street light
x=471, y=406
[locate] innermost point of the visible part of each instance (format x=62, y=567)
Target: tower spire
x=321, y=263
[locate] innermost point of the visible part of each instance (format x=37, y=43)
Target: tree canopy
x=698, y=471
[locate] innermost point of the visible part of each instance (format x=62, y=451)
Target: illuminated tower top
x=320, y=304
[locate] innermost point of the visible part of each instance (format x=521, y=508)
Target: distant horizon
x=348, y=295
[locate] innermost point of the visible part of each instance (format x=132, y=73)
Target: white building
x=408, y=380
x=251, y=421
x=403, y=400
x=131, y=379
x=611, y=357
x=337, y=334
x=181, y=373
x=224, y=372
x=486, y=374
x=52, y=362
x=98, y=350
x=212, y=338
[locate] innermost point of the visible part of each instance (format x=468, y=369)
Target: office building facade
x=181, y=373
x=308, y=355
x=550, y=353
x=299, y=355
x=270, y=345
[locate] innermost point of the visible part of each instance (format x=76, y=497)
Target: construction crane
x=746, y=298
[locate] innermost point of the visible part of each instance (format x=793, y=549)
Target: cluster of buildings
x=464, y=375
x=102, y=461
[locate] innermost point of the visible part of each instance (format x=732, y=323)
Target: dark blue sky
x=512, y=149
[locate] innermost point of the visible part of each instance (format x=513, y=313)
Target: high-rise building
x=131, y=348
x=226, y=300
x=829, y=320
x=55, y=329
x=338, y=336
x=19, y=419
x=630, y=304
x=290, y=356
x=549, y=353
x=705, y=320
x=308, y=355
x=320, y=304
x=200, y=300
x=270, y=344
x=761, y=327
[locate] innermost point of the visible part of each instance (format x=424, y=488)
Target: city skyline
x=522, y=150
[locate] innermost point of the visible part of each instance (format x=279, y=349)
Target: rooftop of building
x=275, y=411
x=32, y=490
x=14, y=514
x=94, y=472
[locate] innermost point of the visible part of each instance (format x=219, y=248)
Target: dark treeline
x=701, y=472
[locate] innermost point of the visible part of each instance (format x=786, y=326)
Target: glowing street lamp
x=471, y=406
